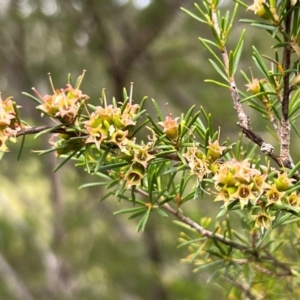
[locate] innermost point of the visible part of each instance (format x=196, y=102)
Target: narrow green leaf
x=21, y=147
x=238, y=51
x=217, y=83
x=205, y=266
x=130, y=210
x=233, y=15
x=113, y=183
x=138, y=128
x=133, y=194
x=161, y=212
x=260, y=63
x=154, y=124
x=223, y=75
x=268, y=27
x=231, y=63
x=193, y=15
x=48, y=130
x=280, y=45
x=35, y=99
x=241, y=3
x=258, y=108
x=102, y=159
x=294, y=170
x=203, y=41
x=104, y=168
x=188, y=114
x=210, y=43
x=65, y=160
x=91, y=184
x=241, y=238
x=137, y=214
x=216, y=35
x=138, y=115
x=106, y=196
x=190, y=123
x=158, y=111
x=142, y=224
x=296, y=130
x=125, y=97
x=142, y=104
x=294, y=104
x=69, y=78
x=215, y=274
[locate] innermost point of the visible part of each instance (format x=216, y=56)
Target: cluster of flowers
x=9, y=123
x=239, y=180
x=111, y=126
x=107, y=125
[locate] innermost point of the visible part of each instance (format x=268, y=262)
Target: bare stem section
x=251, y=253
x=243, y=119
x=285, y=130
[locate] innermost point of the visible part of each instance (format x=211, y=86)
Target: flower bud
x=283, y=182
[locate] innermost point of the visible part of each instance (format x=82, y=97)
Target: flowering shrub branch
x=183, y=158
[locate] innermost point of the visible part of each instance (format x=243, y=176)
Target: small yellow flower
x=259, y=182
x=119, y=138
x=292, y=200
x=258, y=9
x=96, y=135
x=263, y=220
x=253, y=86
x=214, y=150
x=199, y=166
x=106, y=113
x=226, y=194
x=170, y=127
x=244, y=194
x=142, y=156
x=283, y=182
x=273, y=195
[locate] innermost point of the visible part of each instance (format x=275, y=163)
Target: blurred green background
x=58, y=242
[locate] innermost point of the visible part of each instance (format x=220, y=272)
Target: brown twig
x=32, y=130
x=206, y=233
x=244, y=120
x=38, y=129
x=285, y=128
x=246, y=249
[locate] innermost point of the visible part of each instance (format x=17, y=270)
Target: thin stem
x=209, y=234
x=205, y=232
x=32, y=130
x=244, y=287
x=243, y=120
x=285, y=129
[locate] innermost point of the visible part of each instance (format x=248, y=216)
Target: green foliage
x=253, y=241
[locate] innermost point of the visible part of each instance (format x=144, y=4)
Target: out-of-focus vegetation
x=58, y=242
